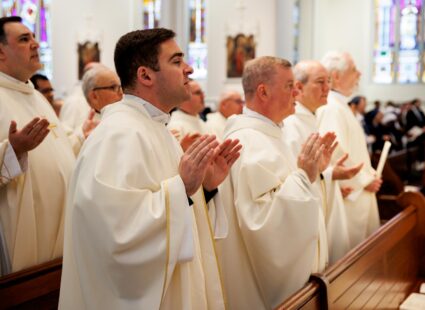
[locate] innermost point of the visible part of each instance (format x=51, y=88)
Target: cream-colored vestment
x=184, y=124
x=131, y=239
x=361, y=205
x=216, y=123
x=296, y=130
x=32, y=190
x=274, y=217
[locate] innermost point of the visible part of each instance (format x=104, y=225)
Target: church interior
x=386, y=41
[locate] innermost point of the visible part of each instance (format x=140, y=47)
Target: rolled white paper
x=383, y=158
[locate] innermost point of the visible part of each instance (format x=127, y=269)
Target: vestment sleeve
x=135, y=226
x=11, y=167
x=278, y=219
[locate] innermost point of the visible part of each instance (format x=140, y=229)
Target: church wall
x=325, y=24
x=259, y=17
x=109, y=20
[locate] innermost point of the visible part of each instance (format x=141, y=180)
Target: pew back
x=379, y=273
x=33, y=288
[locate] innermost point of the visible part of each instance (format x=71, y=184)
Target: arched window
x=398, y=49
x=197, y=49
x=36, y=16
x=151, y=13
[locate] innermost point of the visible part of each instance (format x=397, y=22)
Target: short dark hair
x=4, y=21
x=139, y=48
x=37, y=77
x=356, y=100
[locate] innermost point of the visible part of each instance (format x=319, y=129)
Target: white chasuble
x=75, y=109
x=184, y=124
x=361, y=206
x=297, y=128
x=131, y=239
x=274, y=217
x=216, y=123
x=33, y=190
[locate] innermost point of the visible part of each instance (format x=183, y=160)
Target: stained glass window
x=151, y=13
x=398, y=51
x=197, y=49
x=8, y=7
x=385, y=41
x=409, y=64
x=35, y=15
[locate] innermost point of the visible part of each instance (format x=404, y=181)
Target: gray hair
x=227, y=94
x=260, y=70
x=90, y=78
x=301, y=70
x=335, y=61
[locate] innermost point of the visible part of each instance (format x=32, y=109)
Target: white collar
x=155, y=113
x=251, y=113
x=339, y=96
x=10, y=82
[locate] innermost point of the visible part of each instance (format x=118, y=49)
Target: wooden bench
x=379, y=273
x=33, y=288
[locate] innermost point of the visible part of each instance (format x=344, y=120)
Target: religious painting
x=87, y=52
x=240, y=49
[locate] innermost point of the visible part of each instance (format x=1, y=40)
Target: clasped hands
x=207, y=162
x=316, y=155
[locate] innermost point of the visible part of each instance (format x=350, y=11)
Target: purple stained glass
x=8, y=8
x=29, y=11
x=43, y=23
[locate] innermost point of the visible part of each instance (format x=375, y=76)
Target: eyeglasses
x=115, y=88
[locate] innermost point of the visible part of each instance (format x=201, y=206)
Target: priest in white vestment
x=35, y=164
x=230, y=103
x=361, y=205
x=75, y=108
x=101, y=87
x=311, y=81
x=137, y=231
x=185, y=122
x=277, y=234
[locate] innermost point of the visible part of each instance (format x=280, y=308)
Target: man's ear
x=2, y=53
x=299, y=86
x=262, y=91
x=334, y=76
x=145, y=76
x=92, y=97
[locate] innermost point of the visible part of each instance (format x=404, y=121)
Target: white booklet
x=415, y=301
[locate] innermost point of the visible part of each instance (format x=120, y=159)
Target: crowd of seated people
x=401, y=124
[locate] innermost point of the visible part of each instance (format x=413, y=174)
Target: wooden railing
x=378, y=273
x=33, y=288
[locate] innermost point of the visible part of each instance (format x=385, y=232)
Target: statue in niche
x=87, y=52
x=240, y=49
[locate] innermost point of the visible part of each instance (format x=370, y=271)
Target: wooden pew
x=379, y=273
x=33, y=288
